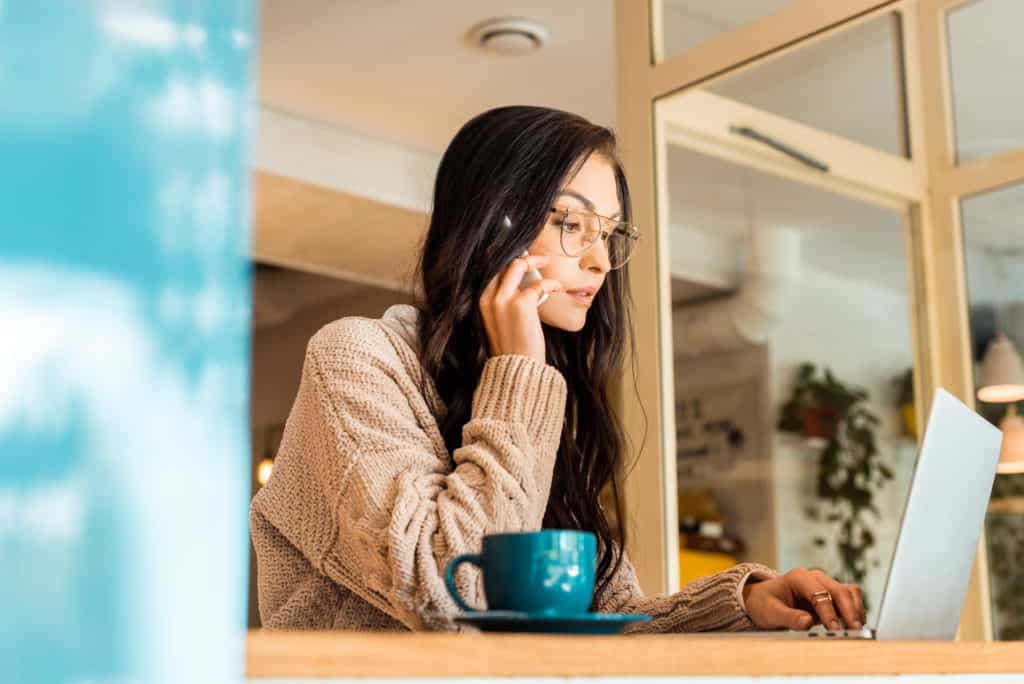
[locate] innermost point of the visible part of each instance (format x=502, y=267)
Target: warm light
x=1002, y=372
x=263, y=470
x=1001, y=394
x=1011, y=456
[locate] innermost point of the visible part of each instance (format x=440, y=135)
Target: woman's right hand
x=510, y=314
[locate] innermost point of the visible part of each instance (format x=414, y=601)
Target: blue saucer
x=552, y=623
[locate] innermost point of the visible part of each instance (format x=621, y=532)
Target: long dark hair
x=514, y=161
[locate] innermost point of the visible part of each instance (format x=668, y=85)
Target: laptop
x=938, y=535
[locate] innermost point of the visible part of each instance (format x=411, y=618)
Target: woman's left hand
x=801, y=598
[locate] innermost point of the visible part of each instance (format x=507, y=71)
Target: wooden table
x=358, y=654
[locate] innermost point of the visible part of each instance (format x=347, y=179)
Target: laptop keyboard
x=819, y=631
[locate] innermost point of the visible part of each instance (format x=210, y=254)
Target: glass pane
x=986, y=62
x=850, y=84
x=767, y=275
x=994, y=252
x=686, y=23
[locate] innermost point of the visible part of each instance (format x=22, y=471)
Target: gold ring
x=820, y=596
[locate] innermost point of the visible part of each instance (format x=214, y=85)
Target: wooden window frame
x=928, y=186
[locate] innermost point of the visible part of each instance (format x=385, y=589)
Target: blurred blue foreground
x=124, y=318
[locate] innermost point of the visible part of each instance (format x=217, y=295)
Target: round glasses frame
x=629, y=233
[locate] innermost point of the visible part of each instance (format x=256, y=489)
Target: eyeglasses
x=581, y=229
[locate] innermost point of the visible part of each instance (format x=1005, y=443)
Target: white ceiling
x=401, y=71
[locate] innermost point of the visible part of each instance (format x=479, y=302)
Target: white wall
x=339, y=159
x=862, y=332
x=733, y=385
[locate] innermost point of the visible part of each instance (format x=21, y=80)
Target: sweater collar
x=402, y=318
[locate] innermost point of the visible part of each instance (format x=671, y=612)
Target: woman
x=483, y=410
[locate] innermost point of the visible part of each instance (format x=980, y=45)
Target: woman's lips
x=580, y=299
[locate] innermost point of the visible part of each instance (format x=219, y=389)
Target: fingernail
x=857, y=624
x=834, y=625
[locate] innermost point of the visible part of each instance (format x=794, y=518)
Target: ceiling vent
x=509, y=36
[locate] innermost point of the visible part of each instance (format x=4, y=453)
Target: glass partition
x=687, y=23
x=986, y=62
x=849, y=84
x=801, y=127
x=792, y=310
x=993, y=228
x=792, y=354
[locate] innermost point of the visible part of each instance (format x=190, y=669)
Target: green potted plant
x=817, y=405
x=850, y=470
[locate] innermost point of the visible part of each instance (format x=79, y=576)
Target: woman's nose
x=596, y=258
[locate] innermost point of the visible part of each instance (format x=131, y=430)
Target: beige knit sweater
x=363, y=511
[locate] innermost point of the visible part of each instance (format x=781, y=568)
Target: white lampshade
x=1002, y=372
x=1011, y=456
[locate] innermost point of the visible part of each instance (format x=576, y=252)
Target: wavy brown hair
x=515, y=161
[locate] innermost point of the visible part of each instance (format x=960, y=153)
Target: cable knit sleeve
x=710, y=603
x=366, y=491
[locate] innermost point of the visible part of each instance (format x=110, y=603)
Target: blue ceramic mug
x=550, y=571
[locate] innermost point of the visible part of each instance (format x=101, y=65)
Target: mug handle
x=449, y=578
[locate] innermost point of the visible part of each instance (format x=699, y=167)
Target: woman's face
x=593, y=189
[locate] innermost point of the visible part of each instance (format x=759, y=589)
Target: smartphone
x=533, y=275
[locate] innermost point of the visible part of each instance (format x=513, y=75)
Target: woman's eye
x=570, y=226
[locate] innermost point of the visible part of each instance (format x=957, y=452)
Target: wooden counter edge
x=364, y=654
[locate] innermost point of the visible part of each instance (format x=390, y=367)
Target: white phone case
x=533, y=275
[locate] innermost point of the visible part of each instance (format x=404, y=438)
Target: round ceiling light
x=509, y=36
